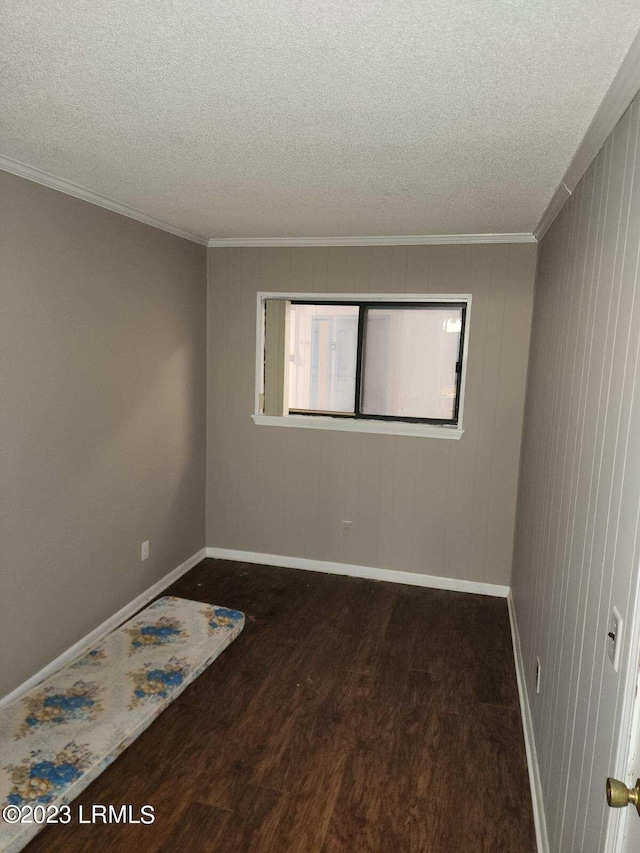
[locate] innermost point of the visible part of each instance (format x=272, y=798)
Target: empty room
x=320, y=426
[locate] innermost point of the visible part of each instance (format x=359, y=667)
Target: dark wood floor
x=348, y=716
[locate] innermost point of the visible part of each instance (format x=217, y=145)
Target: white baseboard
x=111, y=623
x=390, y=575
x=542, y=838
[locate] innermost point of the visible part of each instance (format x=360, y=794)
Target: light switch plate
x=614, y=637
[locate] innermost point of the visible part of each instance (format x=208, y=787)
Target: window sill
x=347, y=425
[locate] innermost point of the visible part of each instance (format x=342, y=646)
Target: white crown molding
x=622, y=91
x=553, y=209
x=31, y=173
x=389, y=575
x=38, y=176
x=409, y=240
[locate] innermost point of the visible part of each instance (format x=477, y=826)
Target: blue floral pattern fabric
x=223, y=618
x=60, y=735
x=51, y=707
x=156, y=682
x=164, y=631
x=43, y=774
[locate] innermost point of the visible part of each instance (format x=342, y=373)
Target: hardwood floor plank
x=348, y=716
x=197, y=821
x=300, y=821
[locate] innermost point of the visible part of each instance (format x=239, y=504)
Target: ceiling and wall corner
x=302, y=121
x=620, y=94
x=38, y=176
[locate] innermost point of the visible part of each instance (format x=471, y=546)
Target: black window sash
x=363, y=307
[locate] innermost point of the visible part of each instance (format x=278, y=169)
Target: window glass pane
x=323, y=341
x=410, y=357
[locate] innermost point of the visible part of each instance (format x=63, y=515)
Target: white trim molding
x=406, y=240
x=622, y=91
x=389, y=575
x=38, y=176
x=625, y=757
x=105, y=628
x=553, y=209
x=359, y=425
x=542, y=838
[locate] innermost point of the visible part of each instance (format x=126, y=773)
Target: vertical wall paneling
x=416, y=504
x=576, y=547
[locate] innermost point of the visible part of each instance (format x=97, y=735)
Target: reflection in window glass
x=410, y=362
x=323, y=343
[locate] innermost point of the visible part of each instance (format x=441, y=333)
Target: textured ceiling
x=311, y=118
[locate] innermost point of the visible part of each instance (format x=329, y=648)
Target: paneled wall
x=422, y=505
x=576, y=549
x=102, y=416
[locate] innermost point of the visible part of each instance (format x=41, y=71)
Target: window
x=364, y=363
x=322, y=351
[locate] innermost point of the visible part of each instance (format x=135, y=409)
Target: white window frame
x=361, y=424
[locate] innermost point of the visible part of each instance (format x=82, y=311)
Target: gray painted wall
x=577, y=547
x=416, y=504
x=102, y=416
